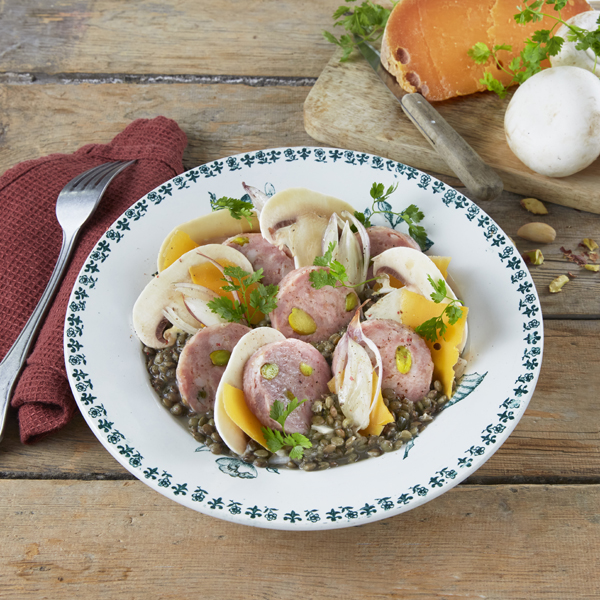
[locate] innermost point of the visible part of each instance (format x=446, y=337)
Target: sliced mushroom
x=162, y=300
x=231, y=433
x=412, y=268
x=297, y=218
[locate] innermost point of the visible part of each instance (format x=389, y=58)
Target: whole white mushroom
x=552, y=122
x=569, y=56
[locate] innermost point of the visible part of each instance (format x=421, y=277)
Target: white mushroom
x=568, y=55
x=162, y=302
x=230, y=432
x=412, y=268
x=552, y=122
x=297, y=218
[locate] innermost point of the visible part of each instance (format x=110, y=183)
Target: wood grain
x=556, y=440
x=179, y=37
x=351, y=108
x=221, y=120
x=120, y=539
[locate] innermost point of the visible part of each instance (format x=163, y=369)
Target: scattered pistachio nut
x=594, y=268
x=403, y=359
x=351, y=301
x=220, y=358
x=301, y=322
x=590, y=244
x=306, y=369
x=535, y=257
x=533, y=205
x=557, y=285
x=269, y=370
x=537, y=232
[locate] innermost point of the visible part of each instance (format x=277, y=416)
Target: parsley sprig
x=453, y=311
x=410, y=215
x=542, y=44
x=262, y=297
x=237, y=208
x=367, y=21
x=334, y=273
x=276, y=439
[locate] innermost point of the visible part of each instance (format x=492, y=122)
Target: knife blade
x=478, y=177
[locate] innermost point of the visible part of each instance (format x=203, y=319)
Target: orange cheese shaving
x=441, y=262
x=179, y=244
x=237, y=410
x=380, y=415
x=417, y=309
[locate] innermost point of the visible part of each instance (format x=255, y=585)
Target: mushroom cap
x=214, y=227
x=297, y=218
x=412, y=268
x=552, y=122
x=160, y=293
x=568, y=55
x=248, y=344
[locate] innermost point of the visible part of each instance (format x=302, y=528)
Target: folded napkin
x=30, y=243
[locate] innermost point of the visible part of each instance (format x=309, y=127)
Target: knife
x=478, y=177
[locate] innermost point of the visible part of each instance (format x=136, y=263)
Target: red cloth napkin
x=30, y=243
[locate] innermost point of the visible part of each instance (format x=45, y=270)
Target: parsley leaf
x=366, y=21
x=366, y=221
x=237, y=208
x=323, y=261
x=411, y=215
x=276, y=439
x=542, y=44
x=231, y=311
x=263, y=298
x=320, y=278
x=435, y=328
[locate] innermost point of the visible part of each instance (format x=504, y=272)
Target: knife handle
x=479, y=178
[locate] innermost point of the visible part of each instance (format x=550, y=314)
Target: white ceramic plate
x=108, y=377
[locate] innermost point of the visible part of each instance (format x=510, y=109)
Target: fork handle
x=13, y=362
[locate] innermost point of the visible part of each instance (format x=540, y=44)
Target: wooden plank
x=349, y=106
x=120, y=539
x=221, y=120
x=177, y=37
x=558, y=438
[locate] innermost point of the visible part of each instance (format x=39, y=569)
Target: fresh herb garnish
x=276, y=439
x=237, y=208
x=335, y=276
x=336, y=273
x=453, y=312
x=261, y=299
x=366, y=21
x=411, y=215
x=542, y=44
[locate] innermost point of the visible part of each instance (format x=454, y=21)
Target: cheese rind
x=426, y=42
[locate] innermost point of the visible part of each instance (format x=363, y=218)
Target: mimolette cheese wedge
x=426, y=42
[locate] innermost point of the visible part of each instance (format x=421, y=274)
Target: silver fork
x=76, y=203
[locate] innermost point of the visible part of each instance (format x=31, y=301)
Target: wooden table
x=75, y=524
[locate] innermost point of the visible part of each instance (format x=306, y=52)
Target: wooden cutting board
x=349, y=107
